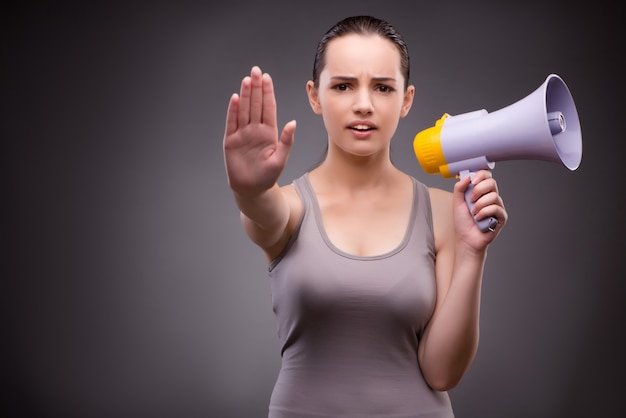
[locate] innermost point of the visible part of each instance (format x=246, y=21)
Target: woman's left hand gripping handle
x=254, y=155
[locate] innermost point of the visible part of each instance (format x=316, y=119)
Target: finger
x=231, y=114
x=256, y=95
x=483, y=187
x=495, y=211
x=460, y=187
x=490, y=205
x=286, y=141
x=288, y=133
x=487, y=201
x=269, y=101
x=463, y=183
x=243, y=114
x=481, y=175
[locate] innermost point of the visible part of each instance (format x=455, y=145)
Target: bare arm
x=450, y=341
x=255, y=156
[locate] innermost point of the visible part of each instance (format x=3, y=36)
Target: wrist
x=465, y=250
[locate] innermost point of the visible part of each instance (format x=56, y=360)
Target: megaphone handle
x=487, y=224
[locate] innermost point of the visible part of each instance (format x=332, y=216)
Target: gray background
x=131, y=289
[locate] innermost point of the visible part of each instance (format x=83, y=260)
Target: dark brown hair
x=361, y=25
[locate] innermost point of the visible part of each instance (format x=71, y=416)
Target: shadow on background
x=131, y=289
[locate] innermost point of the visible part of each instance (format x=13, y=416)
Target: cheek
x=391, y=109
x=330, y=111
x=331, y=121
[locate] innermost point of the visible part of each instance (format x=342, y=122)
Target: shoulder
x=440, y=197
x=294, y=202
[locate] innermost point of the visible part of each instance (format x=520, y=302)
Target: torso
x=349, y=324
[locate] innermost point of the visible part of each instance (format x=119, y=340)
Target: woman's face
x=361, y=93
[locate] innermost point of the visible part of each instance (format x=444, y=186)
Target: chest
x=367, y=265
x=368, y=225
x=333, y=290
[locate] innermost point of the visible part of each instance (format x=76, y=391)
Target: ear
x=407, y=102
x=314, y=99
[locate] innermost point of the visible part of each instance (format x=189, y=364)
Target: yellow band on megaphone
x=428, y=150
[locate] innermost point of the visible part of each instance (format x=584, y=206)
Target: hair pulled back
x=364, y=25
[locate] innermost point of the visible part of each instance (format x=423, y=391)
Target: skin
x=364, y=199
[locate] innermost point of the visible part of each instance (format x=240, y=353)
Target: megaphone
x=542, y=126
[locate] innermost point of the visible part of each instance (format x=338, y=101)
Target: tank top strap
x=303, y=187
x=425, y=211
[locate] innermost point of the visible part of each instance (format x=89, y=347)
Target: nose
x=363, y=102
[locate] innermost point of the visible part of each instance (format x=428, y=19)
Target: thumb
x=286, y=140
x=460, y=187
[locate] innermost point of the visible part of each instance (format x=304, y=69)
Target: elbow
x=444, y=383
x=446, y=378
x=444, y=370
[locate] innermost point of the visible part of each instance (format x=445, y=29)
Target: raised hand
x=253, y=153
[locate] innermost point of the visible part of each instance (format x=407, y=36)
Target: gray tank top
x=349, y=325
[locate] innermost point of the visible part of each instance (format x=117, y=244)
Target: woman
x=375, y=278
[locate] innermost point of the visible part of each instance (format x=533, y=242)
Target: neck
x=354, y=172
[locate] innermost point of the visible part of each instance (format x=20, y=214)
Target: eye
x=383, y=88
x=340, y=87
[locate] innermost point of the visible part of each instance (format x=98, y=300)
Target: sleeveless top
x=349, y=325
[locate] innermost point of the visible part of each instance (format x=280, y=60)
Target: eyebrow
x=349, y=78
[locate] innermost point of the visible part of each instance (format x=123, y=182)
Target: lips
x=362, y=126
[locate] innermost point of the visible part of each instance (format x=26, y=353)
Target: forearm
x=264, y=215
x=451, y=339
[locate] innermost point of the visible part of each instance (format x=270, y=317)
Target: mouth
x=361, y=127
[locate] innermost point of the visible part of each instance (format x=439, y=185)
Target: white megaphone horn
x=542, y=126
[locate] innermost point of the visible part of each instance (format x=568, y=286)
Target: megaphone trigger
x=486, y=224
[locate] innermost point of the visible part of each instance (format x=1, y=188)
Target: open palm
x=254, y=154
